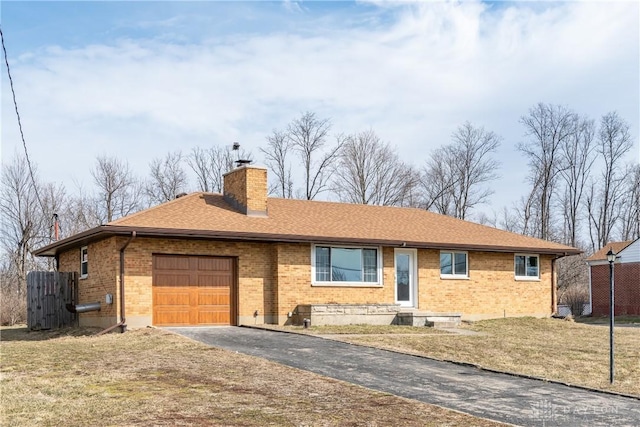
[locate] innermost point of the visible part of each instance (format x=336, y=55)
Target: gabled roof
x=207, y=215
x=616, y=247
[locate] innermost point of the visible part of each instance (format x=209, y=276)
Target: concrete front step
x=421, y=318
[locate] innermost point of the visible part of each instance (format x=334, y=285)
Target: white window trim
x=377, y=284
x=526, y=278
x=455, y=276
x=413, y=303
x=82, y=249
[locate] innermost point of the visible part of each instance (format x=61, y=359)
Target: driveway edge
x=454, y=362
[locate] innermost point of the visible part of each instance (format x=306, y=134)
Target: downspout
x=554, y=286
x=590, y=290
x=122, y=323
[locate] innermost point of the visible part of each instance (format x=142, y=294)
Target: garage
x=193, y=290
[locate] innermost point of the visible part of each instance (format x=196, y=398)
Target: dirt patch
x=153, y=377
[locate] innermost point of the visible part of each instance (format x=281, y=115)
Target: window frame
x=84, y=261
x=379, y=272
x=526, y=277
x=454, y=275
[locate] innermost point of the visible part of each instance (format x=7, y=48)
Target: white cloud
x=414, y=76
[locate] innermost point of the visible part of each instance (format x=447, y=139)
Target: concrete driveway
x=495, y=396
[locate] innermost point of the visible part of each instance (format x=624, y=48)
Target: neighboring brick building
x=244, y=258
x=626, y=279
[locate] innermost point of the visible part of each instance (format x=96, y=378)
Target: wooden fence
x=48, y=293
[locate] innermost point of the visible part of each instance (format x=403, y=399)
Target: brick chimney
x=245, y=188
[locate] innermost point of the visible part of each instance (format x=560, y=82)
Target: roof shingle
x=319, y=221
x=616, y=247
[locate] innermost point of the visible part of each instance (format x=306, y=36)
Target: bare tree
x=116, y=189
x=167, y=178
x=212, y=163
x=437, y=182
x=82, y=212
x=277, y=159
x=472, y=148
x=604, y=198
x=455, y=176
x=573, y=283
x=548, y=127
x=308, y=136
x=24, y=226
x=370, y=172
x=577, y=157
x=630, y=208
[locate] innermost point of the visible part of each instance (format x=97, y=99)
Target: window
x=527, y=267
x=453, y=264
x=84, y=262
x=345, y=265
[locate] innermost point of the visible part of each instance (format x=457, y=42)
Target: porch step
x=426, y=318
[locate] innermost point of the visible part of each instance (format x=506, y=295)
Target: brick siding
x=275, y=278
x=247, y=185
x=102, y=279
x=626, y=288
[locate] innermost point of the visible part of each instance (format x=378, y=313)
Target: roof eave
x=105, y=231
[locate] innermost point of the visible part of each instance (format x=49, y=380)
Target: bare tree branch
x=276, y=158
x=548, y=127
x=605, y=196
x=116, y=185
x=167, y=178
x=369, y=172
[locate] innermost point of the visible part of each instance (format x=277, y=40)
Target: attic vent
x=180, y=195
x=242, y=162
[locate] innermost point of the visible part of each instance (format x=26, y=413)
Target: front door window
x=405, y=277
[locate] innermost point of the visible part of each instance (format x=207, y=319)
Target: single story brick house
x=244, y=258
x=626, y=279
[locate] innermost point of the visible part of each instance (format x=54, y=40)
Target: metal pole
x=611, y=321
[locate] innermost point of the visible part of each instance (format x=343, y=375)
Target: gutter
x=122, y=323
x=104, y=231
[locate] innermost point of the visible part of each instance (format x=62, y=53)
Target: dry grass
x=546, y=348
x=604, y=320
x=153, y=377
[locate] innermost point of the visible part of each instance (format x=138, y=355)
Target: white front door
x=406, y=277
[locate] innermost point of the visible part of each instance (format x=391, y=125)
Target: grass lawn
x=548, y=348
x=151, y=377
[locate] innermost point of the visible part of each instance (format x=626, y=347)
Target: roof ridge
x=158, y=206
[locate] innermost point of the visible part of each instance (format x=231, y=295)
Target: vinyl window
x=345, y=265
x=84, y=262
x=454, y=264
x=527, y=267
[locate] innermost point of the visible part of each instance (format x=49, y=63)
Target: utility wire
x=24, y=144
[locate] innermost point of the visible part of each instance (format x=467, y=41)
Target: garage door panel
x=192, y=290
x=172, y=280
x=223, y=280
x=175, y=316
x=213, y=317
x=213, y=298
x=215, y=264
x=168, y=262
x=171, y=297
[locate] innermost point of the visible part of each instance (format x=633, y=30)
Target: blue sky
x=139, y=79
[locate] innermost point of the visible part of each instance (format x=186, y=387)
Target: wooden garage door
x=192, y=290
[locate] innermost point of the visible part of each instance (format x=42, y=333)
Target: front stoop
x=425, y=318
x=371, y=314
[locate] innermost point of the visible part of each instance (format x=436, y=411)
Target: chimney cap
x=242, y=162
